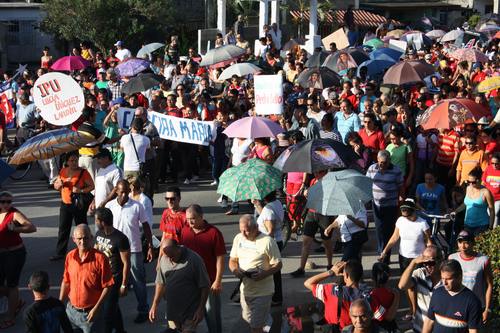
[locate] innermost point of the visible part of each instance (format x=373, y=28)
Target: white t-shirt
x=411, y=233
x=422, y=146
x=123, y=54
x=348, y=227
x=142, y=142
x=148, y=208
x=273, y=211
x=316, y=117
x=240, y=152
x=105, y=180
x=129, y=219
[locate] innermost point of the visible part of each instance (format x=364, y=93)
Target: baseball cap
x=101, y=70
x=466, y=236
x=408, y=204
x=117, y=101
x=119, y=43
x=103, y=152
x=476, y=65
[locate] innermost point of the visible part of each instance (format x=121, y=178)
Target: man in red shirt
x=207, y=241
x=173, y=218
x=491, y=179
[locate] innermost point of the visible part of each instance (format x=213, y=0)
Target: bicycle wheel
x=286, y=230
x=21, y=170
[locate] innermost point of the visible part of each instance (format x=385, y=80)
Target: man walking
x=207, y=241
x=173, y=218
x=106, y=179
x=87, y=281
x=183, y=280
x=254, y=259
x=128, y=217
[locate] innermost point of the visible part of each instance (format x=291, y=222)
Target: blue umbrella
x=386, y=54
x=375, y=66
x=131, y=67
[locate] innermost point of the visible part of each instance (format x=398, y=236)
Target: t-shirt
x=105, y=180
x=142, y=142
x=273, y=211
x=454, y=314
x=399, y=156
x=429, y=199
x=111, y=245
x=423, y=288
x=47, y=316
x=411, y=234
x=148, y=208
x=316, y=116
x=252, y=256
x=123, y=54
x=171, y=223
x=491, y=179
x=183, y=281
x=348, y=227
x=446, y=148
x=424, y=150
x=468, y=161
x=70, y=182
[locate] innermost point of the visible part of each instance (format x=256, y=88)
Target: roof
x=399, y=5
x=362, y=18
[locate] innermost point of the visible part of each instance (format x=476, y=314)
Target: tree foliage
x=103, y=22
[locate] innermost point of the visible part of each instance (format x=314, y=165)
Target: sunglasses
x=468, y=182
x=469, y=142
x=170, y=198
x=5, y=202
x=430, y=263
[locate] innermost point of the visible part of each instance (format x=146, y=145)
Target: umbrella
x=396, y=33
x=253, y=179
x=327, y=78
x=131, y=67
x=452, y=35
x=489, y=28
x=374, y=43
x=69, y=63
x=340, y=193
x=292, y=43
x=148, y=49
x=469, y=54
x=141, y=82
x=435, y=34
x=375, y=66
x=241, y=69
x=491, y=83
x=408, y=72
x=386, y=54
x=316, y=59
x=354, y=58
x=315, y=155
x=49, y=144
x=253, y=127
x=221, y=56
x=490, y=18
x=451, y=113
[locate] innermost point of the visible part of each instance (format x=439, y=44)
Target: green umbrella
x=375, y=43
x=340, y=193
x=253, y=179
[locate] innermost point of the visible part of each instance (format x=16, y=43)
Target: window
x=12, y=36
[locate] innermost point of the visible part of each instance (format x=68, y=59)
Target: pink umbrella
x=471, y=55
x=69, y=63
x=253, y=127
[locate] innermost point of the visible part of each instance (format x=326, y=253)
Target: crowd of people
x=417, y=173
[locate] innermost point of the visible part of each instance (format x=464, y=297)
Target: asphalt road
x=41, y=205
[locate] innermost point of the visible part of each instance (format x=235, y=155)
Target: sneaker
x=214, y=183
x=220, y=199
x=187, y=181
x=195, y=178
x=224, y=203
x=298, y=273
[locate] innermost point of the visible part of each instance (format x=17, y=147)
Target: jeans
x=79, y=321
x=219, y=164
x=138, y=279
x=213, y=313
x=68, y=213
x=111, y=308
x=385, y=222
x=351, y=250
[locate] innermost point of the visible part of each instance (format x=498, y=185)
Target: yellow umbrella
x=489, y=84
x=396, y=33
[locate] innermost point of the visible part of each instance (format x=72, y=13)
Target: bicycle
x=437, y=235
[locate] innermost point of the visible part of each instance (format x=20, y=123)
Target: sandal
x=7, y=324
x=232, y=212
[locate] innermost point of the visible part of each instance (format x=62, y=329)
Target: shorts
x=315, y=221
x=255, y=310
x=11, y=265
x=404, y=263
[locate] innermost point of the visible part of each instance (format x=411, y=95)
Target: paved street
x=41, y=205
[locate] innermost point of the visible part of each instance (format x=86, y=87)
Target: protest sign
x=124, y=117
x=398, y=45
x=59, y=98
x=338, y=37
x=268, y=94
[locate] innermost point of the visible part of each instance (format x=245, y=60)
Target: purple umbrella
x=253, y=127
x=131, y=67
x=69, y=63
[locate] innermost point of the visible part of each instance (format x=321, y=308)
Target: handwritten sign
x=59, y=98
x=173, y=128
x=268, y=94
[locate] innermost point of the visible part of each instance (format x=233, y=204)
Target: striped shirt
x=423, y=288
x=386, y=185
x=447, y=148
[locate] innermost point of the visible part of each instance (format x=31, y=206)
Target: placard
x=338, y=37
x=59, y=98
x=268, y=94
x=398, y=45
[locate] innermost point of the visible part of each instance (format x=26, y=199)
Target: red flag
x=6, y=106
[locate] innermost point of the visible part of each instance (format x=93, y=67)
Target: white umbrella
x=242, y=69
x=222, y=55
x=435, y=34
x=452, y=35
x=148, y=49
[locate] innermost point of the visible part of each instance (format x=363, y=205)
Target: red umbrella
x=471, y=55
x=408, y=72
x=451, y=113
x=69, y=63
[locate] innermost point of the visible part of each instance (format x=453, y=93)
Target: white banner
x=173, y=128
x=59, y=98
x=268, y=94
x=398, y=45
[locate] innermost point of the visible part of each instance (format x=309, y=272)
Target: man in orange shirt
x=470, y=158
x=87, y=280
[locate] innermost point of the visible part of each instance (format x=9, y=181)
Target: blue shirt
x=346, y=125
x=26, y=115
x=429, y=199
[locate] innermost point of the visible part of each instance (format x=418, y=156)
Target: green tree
x=103, y=22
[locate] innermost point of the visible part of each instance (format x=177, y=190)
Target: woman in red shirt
x=386, y=297
x=12, y=255
x=491, y=179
